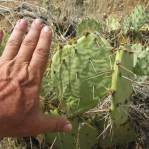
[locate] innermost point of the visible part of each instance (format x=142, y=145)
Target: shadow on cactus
x=92, y=83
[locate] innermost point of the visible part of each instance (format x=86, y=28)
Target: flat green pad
x=79, y=73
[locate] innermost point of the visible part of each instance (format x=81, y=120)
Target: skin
x=22, y=65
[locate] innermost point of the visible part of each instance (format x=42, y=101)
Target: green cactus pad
x=88, y=26
x=136, y=19
x=79, y=73
x=112, y=23
x=121, y=133
x=121, y=85
x=141, y=61
x=122, y=91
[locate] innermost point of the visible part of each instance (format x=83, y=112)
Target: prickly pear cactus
x=141, y=62
x=79, y=73
x=123, y=74
x=83, y=72
x=88, y=26
x=121, y=91
x=136, y=19
x=112, y=23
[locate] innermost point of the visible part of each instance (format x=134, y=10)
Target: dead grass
x=72, y=10
x=93, y=8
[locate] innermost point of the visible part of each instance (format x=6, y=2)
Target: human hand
x=22, y=65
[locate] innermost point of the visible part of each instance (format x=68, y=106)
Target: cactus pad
x=88, y=26
x=121, y=91
x=79, y=73
x=141, y=62
x=112, y=23
x=136, y=19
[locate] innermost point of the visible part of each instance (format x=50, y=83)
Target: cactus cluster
x=89, y=69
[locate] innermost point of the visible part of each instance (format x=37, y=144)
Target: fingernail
x=46, y=29
x=67, y=128
x=38, y=21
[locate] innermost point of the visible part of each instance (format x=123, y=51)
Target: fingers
x=15, y=40
x=1, y=36
x=30, y=42
x=41, y=53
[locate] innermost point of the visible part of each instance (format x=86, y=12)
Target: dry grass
x=93, y=8
x=71, y=10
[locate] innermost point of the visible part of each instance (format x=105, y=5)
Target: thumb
x=54, y=124
x=45, y=124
